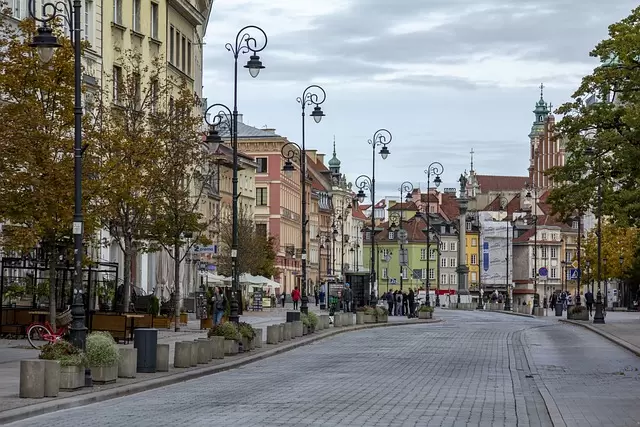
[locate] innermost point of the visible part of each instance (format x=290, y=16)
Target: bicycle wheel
x=36, y=335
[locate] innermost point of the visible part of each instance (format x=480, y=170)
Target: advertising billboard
x=493, y=241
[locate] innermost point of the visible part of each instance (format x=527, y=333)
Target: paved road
x=476, y=369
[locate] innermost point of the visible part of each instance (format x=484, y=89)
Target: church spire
x=334, y=163
x=471, y=169
x=541, y=113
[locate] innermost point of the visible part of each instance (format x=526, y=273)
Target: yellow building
x=473, y=256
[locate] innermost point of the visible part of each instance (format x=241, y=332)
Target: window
x=183, y=46
x=554, y=252
x=474, y=277
x=554, y=273
x=443, y=262
x=385, y=273
x=117, y=11
x=188, y=58
x=453, y=279
x=117, y=83
x=171, y=44
x=474, y=259
x=367, y=235
x=261, y=230
x=544, y=251
x=262, y=164
x=261, y=197
x=452, y=262
x=432, y=274
x=443, y=246
x=154, y=20
x=423, y=273
x=385, y=253
x=135, y=16
x=404, y=272
x=423, y=254
x=468, y=226
x=433, y=253
x=443, y=279
x=88, y=21
x=574, y=225
x=568, y=256
x=18, y=8
x=453, y=247
x=474, y=242
x=544, y=236
x=391, y=235
x=136, y=88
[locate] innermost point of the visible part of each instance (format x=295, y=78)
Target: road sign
x=574, y=264
x=392, y=281
x=574, y=274
x=404, y=257
x=543, y=272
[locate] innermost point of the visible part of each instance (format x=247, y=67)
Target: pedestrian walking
x=219, y=305
x=389, y=298
x=412, y=300
x=283, y=298
x=588, y=297
x=398, y=304
x=295, y=296
x=315, y=295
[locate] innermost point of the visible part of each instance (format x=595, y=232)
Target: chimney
x=320, y=158
x=240, y=118
x=451, y=191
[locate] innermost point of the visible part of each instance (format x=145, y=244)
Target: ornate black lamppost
x=381, y=138
x=503, y=208
x=406, y=193
x=436, y=169
x=313, y=96
x=245, y=42
x=45, y=42
x=534, y=217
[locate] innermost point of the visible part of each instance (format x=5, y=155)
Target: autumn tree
x=36, y=149
x=256, y=252
x=185, y=171
x=601, y=137
x=616, y=242
x=127, y=144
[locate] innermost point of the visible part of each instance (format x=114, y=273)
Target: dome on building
x=334, y=162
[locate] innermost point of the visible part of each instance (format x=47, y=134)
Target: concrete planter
x=583, y=315
x=32, y=378
x=383, y=319
x=369, y=318
x=218, y=346
x=230, y=347
x=51, y=378
x=359, y=317
x=425, y=315
x=71, y=378
x=245, y=344
x=305, y=329
x=104, y=374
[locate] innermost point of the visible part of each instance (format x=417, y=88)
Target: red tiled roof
x=364, y=207
x=449, y=206
x=501, y=183
x=512, y=206
x=414, y=227
x=357, y=213
x=404, y=206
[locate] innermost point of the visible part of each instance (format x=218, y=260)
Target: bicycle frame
x=50, y=336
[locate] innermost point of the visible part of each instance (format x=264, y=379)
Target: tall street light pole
x=312, y=96
x=381, y=138
x=406, y=192
x=245, y=42
x=45, y=42
x=435, y=168
x=598, y=317
x=534, y=217
x=503, y=208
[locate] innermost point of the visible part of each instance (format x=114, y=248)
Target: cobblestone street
x=475, y=369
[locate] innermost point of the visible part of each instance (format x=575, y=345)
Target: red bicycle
x=39, y=334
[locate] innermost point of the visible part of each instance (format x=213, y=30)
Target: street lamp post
x=507, y=303
x=312, y=96
x=381, y=138
x=599, y=316
x=434, y=168
x=245, y=42
x=534, y=217
x=406, y=192
x=45, y=42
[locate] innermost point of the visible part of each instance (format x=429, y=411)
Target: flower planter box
x=161, y=323
x=311, y=329
x=184, y=318
x=582, y=315
x=369, y=318
x=104, y=374
x=305, y=329
x=245, y=344
x=230, y=347
x=206, y=323
x=425, y=315
x=71, y=378
x=383, y=319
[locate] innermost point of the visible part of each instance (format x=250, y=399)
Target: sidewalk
x=13, y=408
x=621, y=328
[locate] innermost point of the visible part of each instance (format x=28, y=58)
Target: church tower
x=334, y=165
x=546, y=151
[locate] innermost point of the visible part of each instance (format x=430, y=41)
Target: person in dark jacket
x=412, y=300
x=588, y=297
x=389, y=297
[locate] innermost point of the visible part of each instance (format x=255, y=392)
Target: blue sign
x=485, y=256
x=543, y=271
x=574, y=274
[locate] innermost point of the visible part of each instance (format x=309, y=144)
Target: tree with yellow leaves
x=616, y=242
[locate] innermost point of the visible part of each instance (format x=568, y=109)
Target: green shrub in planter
x=305, y=319
x=371, y=311
x=228, y=330
x=313, y=319
x=361, y=309
x=577, y=309
x=246, y=330
x=65, y=352
x=426, y=308
x=102, y=350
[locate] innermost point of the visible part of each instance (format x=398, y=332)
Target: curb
x=620, y=342
x=513, y=313
x=17, y=414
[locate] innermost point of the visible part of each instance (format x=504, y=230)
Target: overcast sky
x=444, y=76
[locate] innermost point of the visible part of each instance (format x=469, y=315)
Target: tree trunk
x=128, y=253
x=176, y=281
x=53, y=263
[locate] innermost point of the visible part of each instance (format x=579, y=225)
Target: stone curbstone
x=37, y=409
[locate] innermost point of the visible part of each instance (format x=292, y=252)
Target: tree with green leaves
x=185, y=173
x=130, y=113
x=36, y=149
x=601, y=137
x=616, y=242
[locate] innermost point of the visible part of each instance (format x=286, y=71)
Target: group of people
x=401, y=303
